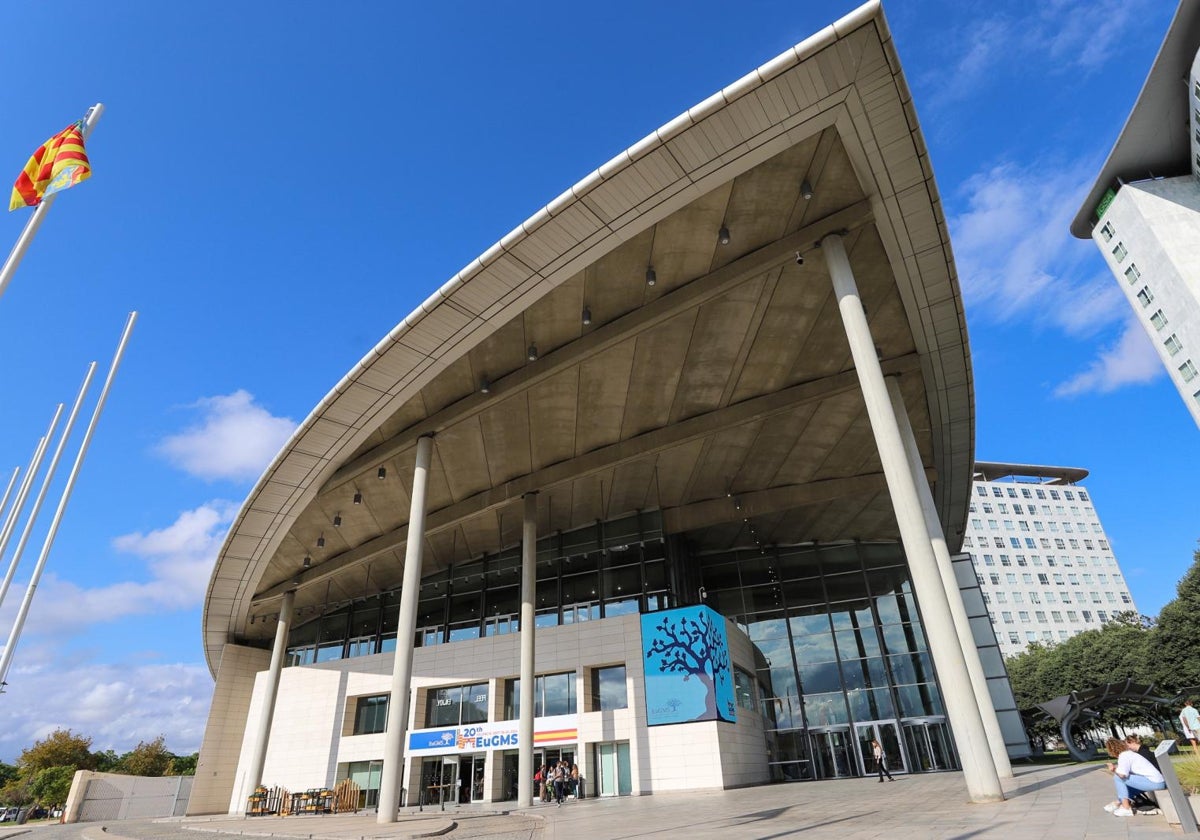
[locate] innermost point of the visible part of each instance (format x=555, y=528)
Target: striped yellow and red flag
x=58, y=164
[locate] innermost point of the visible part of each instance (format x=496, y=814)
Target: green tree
x=184, y=765
x=107, y=761
x=16, y=793
x=8, y=773
x=1176, y=665
x=52, y=785
x=61, y=748
x=148, y=758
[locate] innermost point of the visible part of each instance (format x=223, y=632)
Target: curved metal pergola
x=1089, y=704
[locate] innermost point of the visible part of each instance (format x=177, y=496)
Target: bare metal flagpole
x=8, y=490
x=46, y=479
x=10, y=646
x=19, y=504
x=39, y=212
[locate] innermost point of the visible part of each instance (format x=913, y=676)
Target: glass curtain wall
x=842, y=645
x=603, y=570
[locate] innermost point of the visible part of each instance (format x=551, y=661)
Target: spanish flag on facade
x=58, y=164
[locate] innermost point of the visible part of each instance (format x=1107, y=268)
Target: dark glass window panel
x=743, y=690
x=804, y=595
x=370, y=715
x=581, y=588
x=557, y=695
x=815, y=624
x=864, y=673
x=622, y=583
x=547, y=598
x=783, y=712
x=653, y=550
x=871, y=704
x=840, y=558
x=512, y=699
x=656, y=576
x=850, y=614
x=903, y=638
x=475, y=703
x=580, y=563
x=503, y=601
x=468, y=577
x=628, y=556
x=878, y=555
x=444, y=706
x=305, y=634
x=826, y=709
x=609, y=689
x=764, y=628
x=911, y=668
x=796, y=564
x=721, y=576
x=464, y=607
x=820, y=677
x=332, y=641
x=814, y=648
x=919, y=700
x=855, y=644
x=759, y=570
x=365, y=620
x=503, y=570
x=761, y=599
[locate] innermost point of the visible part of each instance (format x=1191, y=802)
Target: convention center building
x=666, y=484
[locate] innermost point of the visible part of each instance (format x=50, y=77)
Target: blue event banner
x=689, y=674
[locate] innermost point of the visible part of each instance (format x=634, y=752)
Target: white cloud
x=179, y=561
x=1016, y=258
x=117, y=704
x=236, y=439
x=1131, y=361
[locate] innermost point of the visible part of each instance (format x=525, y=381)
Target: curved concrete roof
x=1156, y=137
x=728, y=379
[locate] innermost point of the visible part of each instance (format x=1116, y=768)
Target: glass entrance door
x=613, y=769
x=833, y=754
x=888, y=735
x=928, y=744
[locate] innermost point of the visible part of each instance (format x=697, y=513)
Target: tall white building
x=1041, y=556
x=1144, y=210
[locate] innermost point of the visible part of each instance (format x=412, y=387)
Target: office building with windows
x=1041, y=557
x=1143, y=212
x=660, y=485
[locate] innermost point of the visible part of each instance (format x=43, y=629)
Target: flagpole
x=19, y=503
x=11, y=645
x=8, y=490
x=39, y=212
x=46, y=479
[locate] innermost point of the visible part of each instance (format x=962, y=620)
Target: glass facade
x=841, y=643
x=841, y=651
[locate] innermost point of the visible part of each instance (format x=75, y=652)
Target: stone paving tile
x=1043, y=803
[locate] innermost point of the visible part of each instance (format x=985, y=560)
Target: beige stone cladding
x=313, y=721
x=223, y=736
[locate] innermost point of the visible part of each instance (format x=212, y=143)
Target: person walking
x=560, y=782
x=881, y=761
x=1190, y=719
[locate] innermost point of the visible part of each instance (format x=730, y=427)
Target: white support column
x=525, y=769
x=263, y=735
x=392, y=777
x=979, y=772
x=966, y=639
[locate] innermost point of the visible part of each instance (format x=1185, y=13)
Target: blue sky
x=277, y=185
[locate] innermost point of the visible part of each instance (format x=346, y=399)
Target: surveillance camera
x=799, y=258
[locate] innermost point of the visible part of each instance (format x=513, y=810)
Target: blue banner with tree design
x=688, y=670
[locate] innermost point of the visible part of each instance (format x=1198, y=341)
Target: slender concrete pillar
x=525, y=769
x=262, y=735
x=979, y=772
x=392, y=777
x=966, y=639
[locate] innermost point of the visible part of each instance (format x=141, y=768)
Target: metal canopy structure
x=615, y=355
x=1085, y=706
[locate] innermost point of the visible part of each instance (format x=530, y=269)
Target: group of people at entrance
x=558, y=781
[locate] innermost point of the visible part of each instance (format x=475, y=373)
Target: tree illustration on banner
x=688, y=674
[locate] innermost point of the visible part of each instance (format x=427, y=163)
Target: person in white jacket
x=1131, y=772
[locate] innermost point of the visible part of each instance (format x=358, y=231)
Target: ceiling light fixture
x=382, y=473
x=357, y=498
x=651, y=277
x=723, y=235
x=532, y=354
x=337, y=520
x=321, y=540
x=485, y=387
x=806, y=189
x=307, y=561
x=587, y=316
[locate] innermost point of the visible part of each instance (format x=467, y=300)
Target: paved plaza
x=1054, y=803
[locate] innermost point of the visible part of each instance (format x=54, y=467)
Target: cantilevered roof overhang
x=1156, y=138
x=995, y=470
x=729, y=378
